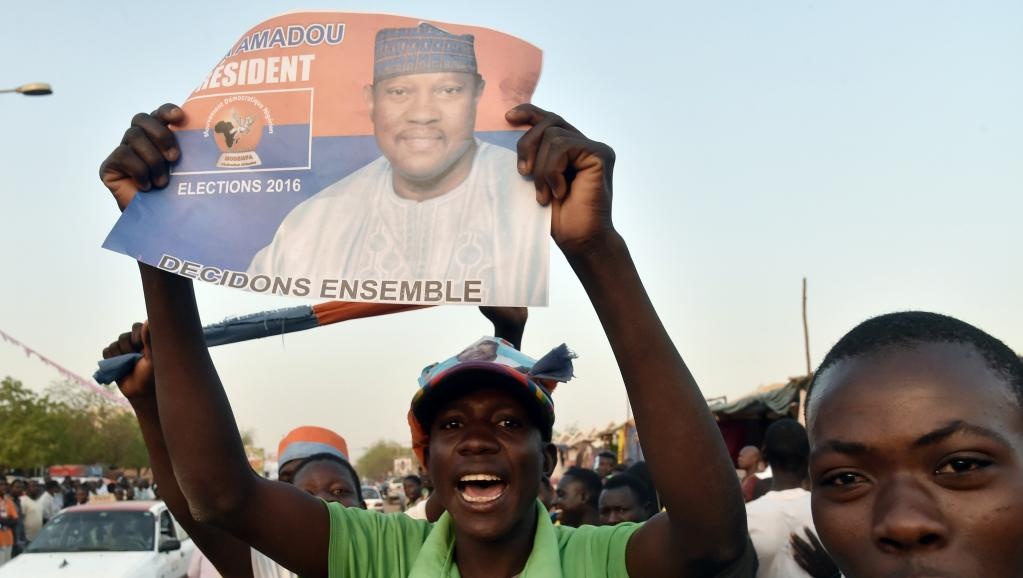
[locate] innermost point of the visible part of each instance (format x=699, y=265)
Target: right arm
x=201, y=436
x=231, y=556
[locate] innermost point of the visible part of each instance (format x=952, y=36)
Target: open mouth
x=481, y=488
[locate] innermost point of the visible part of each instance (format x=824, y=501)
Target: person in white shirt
x=52, y=500
x=415, y=507
x=785, y=509
x=439, y=205
x=144, y=492
x=32, y=510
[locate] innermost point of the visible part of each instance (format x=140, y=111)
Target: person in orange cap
x=306, y=441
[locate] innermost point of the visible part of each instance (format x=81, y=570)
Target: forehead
x=426, y=79
x=481, y=398
x=902, y=392
x=324, y=470
x=569, y=481
x=618, y=496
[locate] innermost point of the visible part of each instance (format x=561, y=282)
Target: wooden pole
x=806, y=332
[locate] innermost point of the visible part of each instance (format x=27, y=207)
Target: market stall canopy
x=768, y=399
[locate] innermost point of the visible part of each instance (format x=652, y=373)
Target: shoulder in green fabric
x=372, y=545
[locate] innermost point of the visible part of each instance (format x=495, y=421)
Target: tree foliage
x=67, y=425
x=378, y=461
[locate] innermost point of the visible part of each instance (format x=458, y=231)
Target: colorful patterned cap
x=309, y=440
x=497, y=356
x=425, y=48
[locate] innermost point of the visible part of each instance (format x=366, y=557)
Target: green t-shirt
x=368, y=544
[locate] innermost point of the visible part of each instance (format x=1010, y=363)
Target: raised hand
x=509, y=322
x=142, y=161
x=570, y=172
x=140, y=382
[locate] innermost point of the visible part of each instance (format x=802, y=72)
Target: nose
x=908, y=519
x=423, y=108
x=478, y=438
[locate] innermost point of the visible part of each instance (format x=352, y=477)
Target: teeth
x=480, y=478
x=478, y=500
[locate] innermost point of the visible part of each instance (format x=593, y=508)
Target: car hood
x=75, y=564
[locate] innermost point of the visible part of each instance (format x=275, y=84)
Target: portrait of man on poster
x=439, y=203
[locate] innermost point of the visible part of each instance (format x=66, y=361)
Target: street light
x=31, y=89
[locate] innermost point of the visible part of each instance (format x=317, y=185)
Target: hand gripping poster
x=354, y=157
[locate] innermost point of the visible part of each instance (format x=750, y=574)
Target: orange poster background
x=339, y=74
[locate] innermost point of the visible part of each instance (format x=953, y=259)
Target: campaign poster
x=354, y=157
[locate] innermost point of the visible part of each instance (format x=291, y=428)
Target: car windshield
x=96, y=531
x=370, y=493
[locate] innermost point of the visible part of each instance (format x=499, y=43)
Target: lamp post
x=31, y=89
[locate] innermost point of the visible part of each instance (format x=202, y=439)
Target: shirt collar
x=437, y=556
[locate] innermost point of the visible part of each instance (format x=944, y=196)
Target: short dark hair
x=786, y=446
x=638, y=487
x=641, y=471
x=329, y=457
x=609, y=455
x=413, y=478
x=909, y=328
x=589, y=479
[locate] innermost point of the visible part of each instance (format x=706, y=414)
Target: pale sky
x=875, y=147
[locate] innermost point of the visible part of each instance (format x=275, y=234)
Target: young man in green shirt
x=485, y=431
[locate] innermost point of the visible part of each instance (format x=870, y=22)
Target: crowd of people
x=27, y=504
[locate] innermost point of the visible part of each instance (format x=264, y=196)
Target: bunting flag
x=67, y=373
x=264, y=324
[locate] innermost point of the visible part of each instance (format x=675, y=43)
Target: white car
x=396, y=491
x=372, y=497
x=135, y=539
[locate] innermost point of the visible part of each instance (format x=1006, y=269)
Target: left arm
x=704, y=529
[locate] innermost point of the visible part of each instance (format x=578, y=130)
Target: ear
x=550, y=459
x=367, y=95
x=480, y=85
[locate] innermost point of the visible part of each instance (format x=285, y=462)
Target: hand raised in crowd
x=140, y=382
x=509, y=322
x=571, y=173
x=812, y=557
x=143, y=159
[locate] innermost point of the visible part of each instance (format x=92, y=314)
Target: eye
x=961, y=465
x=842, y=479
x=450, y=90
x=450, y=423
x=510, y=423
x=397, y=91
x=339, y=492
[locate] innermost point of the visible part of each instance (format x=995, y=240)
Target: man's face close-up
x=917, y=465
x=424, y=123
x=486, y=457
x=329, y=481
x=619, y=505
x=570, y=496
x=413, y=491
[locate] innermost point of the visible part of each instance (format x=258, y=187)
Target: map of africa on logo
x=237, y=129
